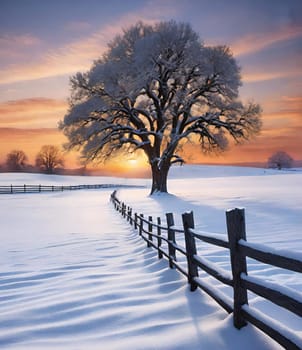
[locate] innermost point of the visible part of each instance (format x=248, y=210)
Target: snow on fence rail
x=162, y=238
x=49, y=188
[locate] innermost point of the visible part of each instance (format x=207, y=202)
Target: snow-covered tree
x=49, y=158
x=280, y=160
x=156, y=88
x=16, y=160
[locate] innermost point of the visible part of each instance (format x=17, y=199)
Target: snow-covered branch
x=155, y=88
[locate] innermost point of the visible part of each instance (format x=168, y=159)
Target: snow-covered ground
x=74, y=275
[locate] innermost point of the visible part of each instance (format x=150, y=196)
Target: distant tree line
x=48, y=160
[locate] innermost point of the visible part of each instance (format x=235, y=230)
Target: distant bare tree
x=280, y=160
x=49, y=158
x=16, y=160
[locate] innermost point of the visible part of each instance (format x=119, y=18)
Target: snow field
x=76, y=276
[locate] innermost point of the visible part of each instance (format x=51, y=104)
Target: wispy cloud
x=253, y=77
x=30, y=113
x=255, y=42
x=29, y=140
x=14, y=46
x=76, y=56
x=67, y=59
x=258, y=76
x=22, y=40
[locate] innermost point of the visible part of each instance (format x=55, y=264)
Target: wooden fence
x=46, y=188
x=163, y=239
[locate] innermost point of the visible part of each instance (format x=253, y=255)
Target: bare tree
x=280, y=160
x=16, y=160
x=49, y=158
x=156, y=88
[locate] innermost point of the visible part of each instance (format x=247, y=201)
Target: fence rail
x=163, y=239
x=11, y=189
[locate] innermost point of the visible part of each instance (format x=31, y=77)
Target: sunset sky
x=43, y=43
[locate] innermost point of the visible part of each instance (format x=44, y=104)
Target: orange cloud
x=252, y=77
x=282, y=130
x=293, y=102
x=33, y=112
x=258, y=150
x=256, y=42
x=288, y=106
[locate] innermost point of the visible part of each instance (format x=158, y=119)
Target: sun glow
x=132, y=162
x=135, y=164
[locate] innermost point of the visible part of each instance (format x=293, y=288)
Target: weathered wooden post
x=188, y=224
x=150, y=229
x=171, y=239
x=24, y=188
x=140, y=232
x=130, y=216
x=159, y=240
x=135, y=221
x=236, y=231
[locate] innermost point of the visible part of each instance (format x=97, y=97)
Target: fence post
x=159, y=240
x=11, y=189
x=135, y=221
x=236, y=231
x=141, y=224
x=150, y=229
x=24, y=188
x=39, y=188
x=130, y=216
x=171, y=239
x=188, y=223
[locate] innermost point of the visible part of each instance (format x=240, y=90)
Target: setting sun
x=132, y=162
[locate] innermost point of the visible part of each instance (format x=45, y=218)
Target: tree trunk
x=159, y=178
